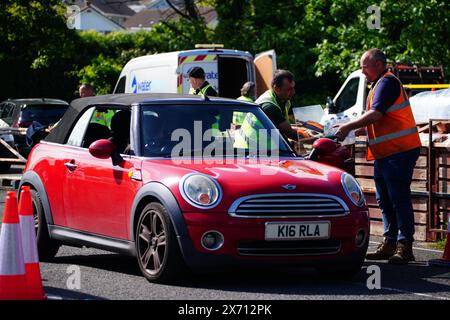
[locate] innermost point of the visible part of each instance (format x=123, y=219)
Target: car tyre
x=47, y=247
x=157, y=250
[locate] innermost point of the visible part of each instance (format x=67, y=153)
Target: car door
x=6, y=120
x=2, y=108
x=6, y=112
x=94, y=189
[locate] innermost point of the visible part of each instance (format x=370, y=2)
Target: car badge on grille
x=289, y=186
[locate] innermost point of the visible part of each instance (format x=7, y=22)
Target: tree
x=411, y=31
x=321, y=41
x=36, y=46
x=260, y=25
x=190, y=23
x=187, y=9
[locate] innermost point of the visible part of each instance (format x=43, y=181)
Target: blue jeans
x=393, y=176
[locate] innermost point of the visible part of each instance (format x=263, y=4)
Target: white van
x=351, y=97
x=226, y=70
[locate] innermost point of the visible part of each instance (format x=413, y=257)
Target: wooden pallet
x=425, y=225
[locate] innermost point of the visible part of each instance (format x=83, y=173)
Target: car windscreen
x=45, y=114
x=209, y=130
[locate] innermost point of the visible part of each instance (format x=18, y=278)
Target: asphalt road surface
x=104, y=275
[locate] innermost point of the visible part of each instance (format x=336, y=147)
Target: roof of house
x=106, y=7
x=113, y=7
x=87, y=9
x=162, y=4
x=146, y=18
x=143, y=19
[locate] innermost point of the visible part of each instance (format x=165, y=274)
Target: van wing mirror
x=331, y=106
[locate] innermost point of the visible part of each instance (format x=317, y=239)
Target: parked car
x=20, y=113
x=140, y=185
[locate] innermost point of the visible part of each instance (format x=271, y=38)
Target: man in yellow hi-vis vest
x=248, y=92
x=102, y=117
x=276, y=103
x=199, y=86
x=394, y=144
x=247, y=95
x=248, y=134
x=198, y=83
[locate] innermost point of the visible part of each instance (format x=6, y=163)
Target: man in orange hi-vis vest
x=394, y=144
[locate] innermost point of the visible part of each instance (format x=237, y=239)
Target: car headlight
x=352, y=189
x=200, y=190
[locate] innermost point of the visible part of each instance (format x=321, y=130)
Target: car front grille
x=288, y=248
x=288, y=205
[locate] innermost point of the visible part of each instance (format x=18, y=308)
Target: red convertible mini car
x=193, y=182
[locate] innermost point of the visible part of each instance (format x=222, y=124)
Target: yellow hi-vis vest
x=238, y=117
x=244, y=98
x=103, y=118
x=215, y=126
x=202, y=91
x=269, y=97
x=249, y=131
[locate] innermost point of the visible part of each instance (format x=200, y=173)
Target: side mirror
x=102, y=149
x=324, y=146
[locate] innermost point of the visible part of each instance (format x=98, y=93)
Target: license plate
x=297, y=230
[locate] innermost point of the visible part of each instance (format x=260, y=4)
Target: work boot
x=404, y=253
x=384, y=251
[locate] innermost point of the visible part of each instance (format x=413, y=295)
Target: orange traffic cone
x=445, y=261
x=13, y=283
x=33, y=272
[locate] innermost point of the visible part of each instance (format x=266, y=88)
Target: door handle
x=70, y=165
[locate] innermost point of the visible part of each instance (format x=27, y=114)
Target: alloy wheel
x=152, y=241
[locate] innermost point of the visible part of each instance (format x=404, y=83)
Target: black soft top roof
x=32, y=101
x=77, y=106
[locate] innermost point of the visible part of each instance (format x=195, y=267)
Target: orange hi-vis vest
x=396, y=131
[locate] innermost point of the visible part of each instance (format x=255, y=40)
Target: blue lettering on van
x=134, y=85
x=141, y=86
x=211, y=75
x=144, y=85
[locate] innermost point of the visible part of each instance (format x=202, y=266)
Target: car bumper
x=245, y=244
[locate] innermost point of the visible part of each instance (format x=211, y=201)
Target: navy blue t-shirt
x=386, y=93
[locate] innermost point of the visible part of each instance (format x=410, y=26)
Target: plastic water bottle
x=350, y=138
x=339, y=121
x=328, y=130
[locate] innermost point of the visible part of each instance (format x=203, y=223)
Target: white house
x=100, y=15
x=159, y=10
x=91, y=19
